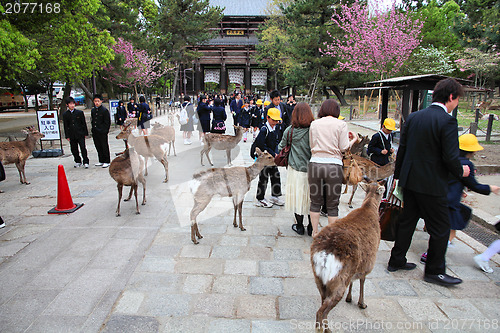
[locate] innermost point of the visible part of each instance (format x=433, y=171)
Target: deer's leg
x=361, y=301
x=143, y=182
x=130, y=193
x=207, y=151
x=346, y=186
x=120, y=190
x=145, y=165
x=173, y=146
x=199, y=205
x=228, y=154
x=135, y=187
x=164, y=161
x=235, y=205
x=169, y=146
x=348, y=298
x=240, y=208
x=322, y=314
x=354, y=188
x=22, y=175
x=201, y=155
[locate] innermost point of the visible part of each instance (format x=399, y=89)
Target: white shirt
x=443, y=106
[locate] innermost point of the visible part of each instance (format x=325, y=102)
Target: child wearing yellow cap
x=380, y=146
x=458, y=212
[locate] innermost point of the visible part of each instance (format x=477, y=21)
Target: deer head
x=264, y=157
x=125, y=132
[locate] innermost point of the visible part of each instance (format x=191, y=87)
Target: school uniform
x=379, y=142
x=101, y=121
x=267, y=140
x=75, y=129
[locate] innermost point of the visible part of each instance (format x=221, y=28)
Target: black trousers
x=102, y=147
x=273, y=173
x=434, y=210
x=74, y=144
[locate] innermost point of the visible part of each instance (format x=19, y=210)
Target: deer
x=167, y=133
x=227, y=182
x=17, y=152
x=221, y=142
x=146, y=146
x=358, y=148
x=369, y=170
x=126, y=170
x=345, y=251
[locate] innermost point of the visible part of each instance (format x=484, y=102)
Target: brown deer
x=18, y=151
x=146, y=146
x=126, y=170
x=227, y=182
x=167, y=133
x=369, y=170
x=358, y=147
x=345, y=251
x=221, y=142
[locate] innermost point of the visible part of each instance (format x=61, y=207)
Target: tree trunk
x=66, y=94
x=36, y=102
x=88, y=94
x=276, y=80
x=339, y=95
x=326, y=93
x=25, y=97
x=51, y=85
x=174, y=89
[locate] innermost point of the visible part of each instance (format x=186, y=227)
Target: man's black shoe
x=442, y=279
x=406, y=267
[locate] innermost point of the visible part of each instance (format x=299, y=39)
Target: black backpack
x=254, y=144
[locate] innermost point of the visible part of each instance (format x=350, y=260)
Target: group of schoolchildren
x=141, y=111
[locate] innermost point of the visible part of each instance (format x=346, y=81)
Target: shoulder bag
x=282, y=158
x=389, y=212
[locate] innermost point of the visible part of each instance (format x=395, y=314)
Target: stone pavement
x=91, y=271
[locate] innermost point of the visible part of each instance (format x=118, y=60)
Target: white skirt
x=297, y=198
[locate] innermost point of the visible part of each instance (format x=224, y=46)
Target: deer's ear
x=364, y=186
x=258, y=151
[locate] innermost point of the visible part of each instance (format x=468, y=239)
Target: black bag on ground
x=2, y=172
x=389, y=212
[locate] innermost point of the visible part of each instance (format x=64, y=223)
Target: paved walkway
x=91, y=271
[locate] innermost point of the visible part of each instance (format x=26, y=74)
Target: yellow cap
x=259, y=102
x=468, y=142
x=266, y=103
x=390, y=124
x=341, y=118
x=274, y=114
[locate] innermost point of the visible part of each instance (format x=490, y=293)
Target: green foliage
x=438, y=18
x=182, y=23
x=480, y=27
x=429, y=60
x=17, y=53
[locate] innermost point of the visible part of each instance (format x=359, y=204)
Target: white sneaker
x=189, y=142
x=99, y=164
x=105, y=165
x=484, y=265
x=2, y=225
x=77, y=165
x=263, y=203
x=277, y=201
x=86, y=165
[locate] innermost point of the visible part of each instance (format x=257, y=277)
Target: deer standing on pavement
x=221, y=142
x=345, y=251
x=370, y=170
x=18, y=151
x=126, y=170
x=146, y=146
x=167, y=133
x=227, y=182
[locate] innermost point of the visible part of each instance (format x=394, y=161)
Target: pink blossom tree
x=372, y=40
x=135, y=69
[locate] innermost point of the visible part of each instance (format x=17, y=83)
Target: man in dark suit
x=428, y=153
x=278, y=104
x=75, y=130
x=101, y=121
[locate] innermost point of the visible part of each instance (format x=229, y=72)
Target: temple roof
x=242, y=8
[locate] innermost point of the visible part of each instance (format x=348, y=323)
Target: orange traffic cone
x=64, y=201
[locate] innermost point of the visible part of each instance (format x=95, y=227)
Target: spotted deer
x=221, y=142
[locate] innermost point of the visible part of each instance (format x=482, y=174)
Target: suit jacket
x=428, y=152
x=235, y=106
x=75, y=126
x=204, y=111
x=100, y=120
x=375, y=147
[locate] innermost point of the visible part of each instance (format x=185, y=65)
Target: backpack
x=254, y=144
x=183, y=115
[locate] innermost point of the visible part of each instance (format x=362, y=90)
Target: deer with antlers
x=147, y=146
x=227, y=182
x=18, y=151
x=221, y=142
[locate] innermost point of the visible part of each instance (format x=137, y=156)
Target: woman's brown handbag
x=282, y=158
x=389, y=212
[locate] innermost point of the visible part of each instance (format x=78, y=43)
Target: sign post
x=113, y=106
x=48, y=124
